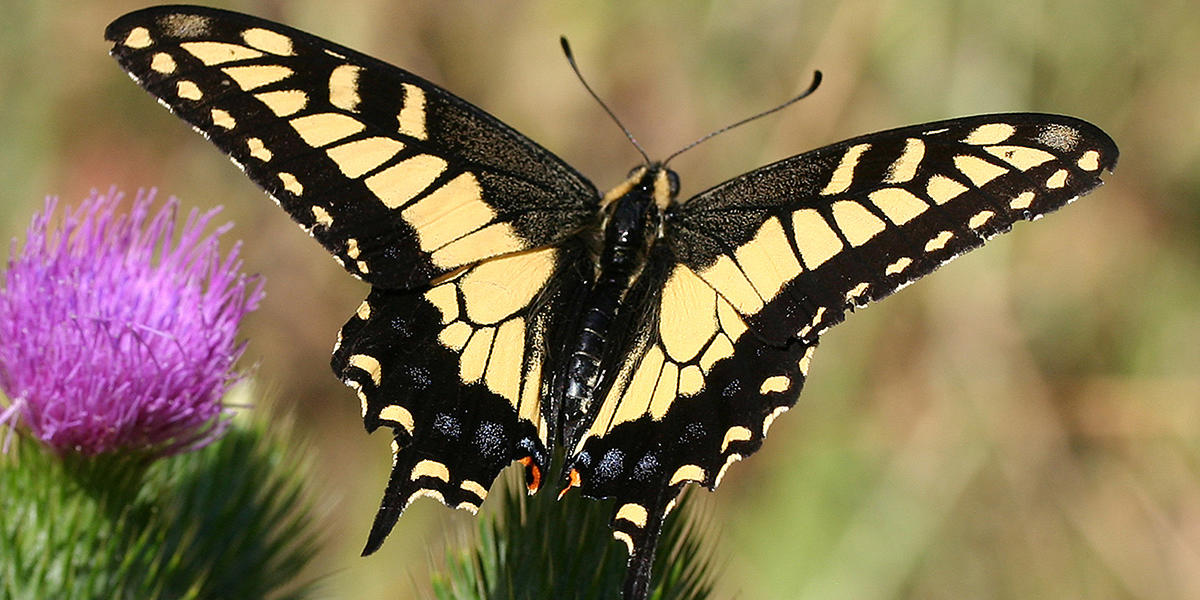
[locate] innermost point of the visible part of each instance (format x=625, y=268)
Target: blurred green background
x=1023, y=424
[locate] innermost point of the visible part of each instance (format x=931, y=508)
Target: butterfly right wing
x=458, y=371
x=399, y=179
x=796, y=244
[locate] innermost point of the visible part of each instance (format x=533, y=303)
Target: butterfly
x=514, y=309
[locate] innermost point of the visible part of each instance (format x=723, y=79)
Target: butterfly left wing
x=399, y=179
x=794, y=245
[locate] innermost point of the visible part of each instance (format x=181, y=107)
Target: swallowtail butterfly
x=514, y=309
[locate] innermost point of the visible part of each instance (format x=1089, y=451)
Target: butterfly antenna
x=812, y=87
x=574, y=67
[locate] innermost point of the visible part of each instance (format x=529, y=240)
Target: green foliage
x=535, y=547
x=228, y=521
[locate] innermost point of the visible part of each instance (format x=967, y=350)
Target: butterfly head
x=651, y=181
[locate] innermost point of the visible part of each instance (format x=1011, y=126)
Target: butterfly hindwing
x=399, y=179
x=693, y=392
x=457, y=370
x=794, y=245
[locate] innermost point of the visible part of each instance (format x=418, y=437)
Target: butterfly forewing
x=402, y=181
x=794, y=245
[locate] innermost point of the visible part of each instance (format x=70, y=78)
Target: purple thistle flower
x=116, y=336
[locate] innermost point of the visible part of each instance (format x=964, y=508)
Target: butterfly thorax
x=629, y=228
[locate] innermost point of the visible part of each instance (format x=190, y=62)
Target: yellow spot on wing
x=737, y=433
x=188, y=90
x=445, y=298
x=1089, y=161
x=257, y=149
x=530, y=409
x=449, y=212
x=321, y=216
x=691, y=380
x=992, y=133
x=364, y=310
x=777, y=383
x=223, y=119
x=1020, y=157
x=720, y=348
x=284, y=102
x=725, y=276
x=976, y=169
x=268, y=41
x=731, y=322
x=163, y=63
x=898, y=205
x=474, y=357
x=499, y=288
x=398, y=414
x=898, y=266
x=942, y=189
x=770, y=419
x=430, y=468
x=806, y=360
x=1023, y=200
x=397, y=184
x=323, y=128
x=455, y=335
x=139, y=37
x=939, y=241
x=219, y=53
x=291, y=184
x=687, y=473
x=498, y=238
x=768, y=260
x=255, y=76
x=1057, y=180
x=412, y=115
x=816, y=240
x=634, y=513
x=664, y=392
x=624, y=537
x=688, y=317
x=905, y=167
x=843, y=175
x=343, y=87
x=368, y=364
x=856, y=222
x=504, y=366
x=729, y=460
x=980, y=219
x=356, y=158
x=475, y=488
x=637, y=395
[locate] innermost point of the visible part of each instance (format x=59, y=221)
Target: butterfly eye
x=673, y=180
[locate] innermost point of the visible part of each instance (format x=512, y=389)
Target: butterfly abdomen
x=628, y=233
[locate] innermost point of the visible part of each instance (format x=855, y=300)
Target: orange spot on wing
x=573, y=481
x=532, y=474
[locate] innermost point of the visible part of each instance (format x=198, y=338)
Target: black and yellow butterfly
x=514, y=309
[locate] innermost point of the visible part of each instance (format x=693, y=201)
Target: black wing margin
x=399, y=179
x=794, y=245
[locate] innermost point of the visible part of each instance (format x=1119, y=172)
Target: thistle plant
x=130, y=478
x=540, y=546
